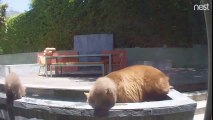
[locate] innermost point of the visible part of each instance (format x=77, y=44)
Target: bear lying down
x=132, y=84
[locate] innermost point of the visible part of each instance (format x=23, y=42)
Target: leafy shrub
x=134, y=23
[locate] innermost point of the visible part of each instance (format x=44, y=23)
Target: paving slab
x=183, y=79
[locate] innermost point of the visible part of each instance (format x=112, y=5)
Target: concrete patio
x=180, y=78
x=71, y=86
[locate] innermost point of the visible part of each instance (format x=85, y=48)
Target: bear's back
x=136, y=82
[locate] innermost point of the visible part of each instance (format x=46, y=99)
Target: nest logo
x=201, y=7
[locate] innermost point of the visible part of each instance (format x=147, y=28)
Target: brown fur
x=14, y=89
x=101, y=95
x=132, y=84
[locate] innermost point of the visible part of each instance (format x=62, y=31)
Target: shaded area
x=188, y=79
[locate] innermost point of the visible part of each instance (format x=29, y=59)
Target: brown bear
x=14, y=88
x=136, y=83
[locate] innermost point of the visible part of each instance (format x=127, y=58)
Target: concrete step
x=201, y=107
x=197, y=95
x=201, y=98
x=199, y=117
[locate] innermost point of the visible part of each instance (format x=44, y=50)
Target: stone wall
x=180, y=57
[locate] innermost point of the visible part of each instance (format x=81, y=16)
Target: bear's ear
x=86, y=94
x=108, y=91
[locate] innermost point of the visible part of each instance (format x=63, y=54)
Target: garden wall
x=180, y=57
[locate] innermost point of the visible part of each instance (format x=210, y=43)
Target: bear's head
x=102, y=96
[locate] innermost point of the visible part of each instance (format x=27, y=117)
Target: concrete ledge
x=178, y=104
x=197, y=95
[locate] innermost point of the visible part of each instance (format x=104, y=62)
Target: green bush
x=153, y=23
x=1, y=51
